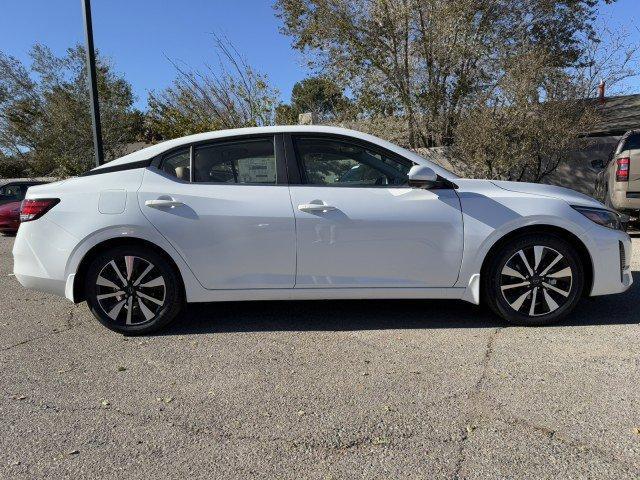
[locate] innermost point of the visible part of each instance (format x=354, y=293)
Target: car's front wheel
x=534, y=280
x=133, y=290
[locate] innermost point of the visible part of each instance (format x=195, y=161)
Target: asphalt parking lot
x=367, y=389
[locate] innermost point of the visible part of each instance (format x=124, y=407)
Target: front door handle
x=315, y=206
x=163, y=203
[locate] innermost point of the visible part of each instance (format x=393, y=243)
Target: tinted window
x=632, y=142
x=247, y=161
x=13, y=192
x=177, y=164
x=339, y=163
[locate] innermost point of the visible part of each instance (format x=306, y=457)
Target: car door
x=358, y=223
x=226, y=209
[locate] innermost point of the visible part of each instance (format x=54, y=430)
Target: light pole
x=93, y=83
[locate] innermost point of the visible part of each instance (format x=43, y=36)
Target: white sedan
x=309, y=212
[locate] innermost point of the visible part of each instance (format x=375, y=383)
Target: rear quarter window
x=632, y=142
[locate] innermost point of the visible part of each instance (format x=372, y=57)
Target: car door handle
x=315, y=207
x=163, y=203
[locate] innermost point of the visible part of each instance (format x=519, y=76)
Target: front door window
x=338, y=163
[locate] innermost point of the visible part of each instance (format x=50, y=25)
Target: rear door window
x=250, y=161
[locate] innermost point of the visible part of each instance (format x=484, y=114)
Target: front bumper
x=611, y=256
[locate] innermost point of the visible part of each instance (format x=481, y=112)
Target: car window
x=176, y=164
x=23, y=191
x=246, y=162
x=334, y=162
x=632, y=142
x=11, y=192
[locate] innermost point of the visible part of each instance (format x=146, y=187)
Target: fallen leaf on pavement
x=380, y=441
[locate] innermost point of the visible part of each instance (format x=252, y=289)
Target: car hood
x=570, y=196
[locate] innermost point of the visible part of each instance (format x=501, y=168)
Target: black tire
x=160, y=294
x=505, y=290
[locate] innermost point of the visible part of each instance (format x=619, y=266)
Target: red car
x=10, y=217
x=11, y=195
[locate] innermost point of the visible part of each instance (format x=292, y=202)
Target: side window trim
x=191, y=154
x=296, y=163
x=293, y=167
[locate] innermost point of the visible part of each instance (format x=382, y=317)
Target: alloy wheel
x=130, y=290
x=536, y=280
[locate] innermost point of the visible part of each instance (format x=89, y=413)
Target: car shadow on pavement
x=341, y=315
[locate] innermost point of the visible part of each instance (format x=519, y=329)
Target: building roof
x=618, y=115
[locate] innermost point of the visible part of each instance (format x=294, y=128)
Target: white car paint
x=256, y=242
x=378, y=237
x=223, y=231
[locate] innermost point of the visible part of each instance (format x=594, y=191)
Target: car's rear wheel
x=133, y=290
x=534, y=280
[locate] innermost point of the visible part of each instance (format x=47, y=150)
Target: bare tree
x=230, y=96
x=609, y=57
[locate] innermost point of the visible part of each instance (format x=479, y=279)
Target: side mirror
x=421, y=176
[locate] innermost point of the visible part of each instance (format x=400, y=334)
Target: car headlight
x=601, y=216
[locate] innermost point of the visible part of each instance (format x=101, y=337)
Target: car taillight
x=34, y=209
x=622, y=170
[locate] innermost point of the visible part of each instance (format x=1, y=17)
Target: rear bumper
x=625, y=201
x=42, y=284
x=40, y=254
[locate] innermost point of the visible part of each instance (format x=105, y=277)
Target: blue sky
x=138, y=35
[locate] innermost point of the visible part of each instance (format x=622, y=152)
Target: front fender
x=490, y=217
x=534, y=221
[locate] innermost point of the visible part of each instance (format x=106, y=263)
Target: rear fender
x=133, y=232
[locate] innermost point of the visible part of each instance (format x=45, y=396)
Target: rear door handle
x=163, y=203
x=315, y=207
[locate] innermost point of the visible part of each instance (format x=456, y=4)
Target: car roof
x=154, y=150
